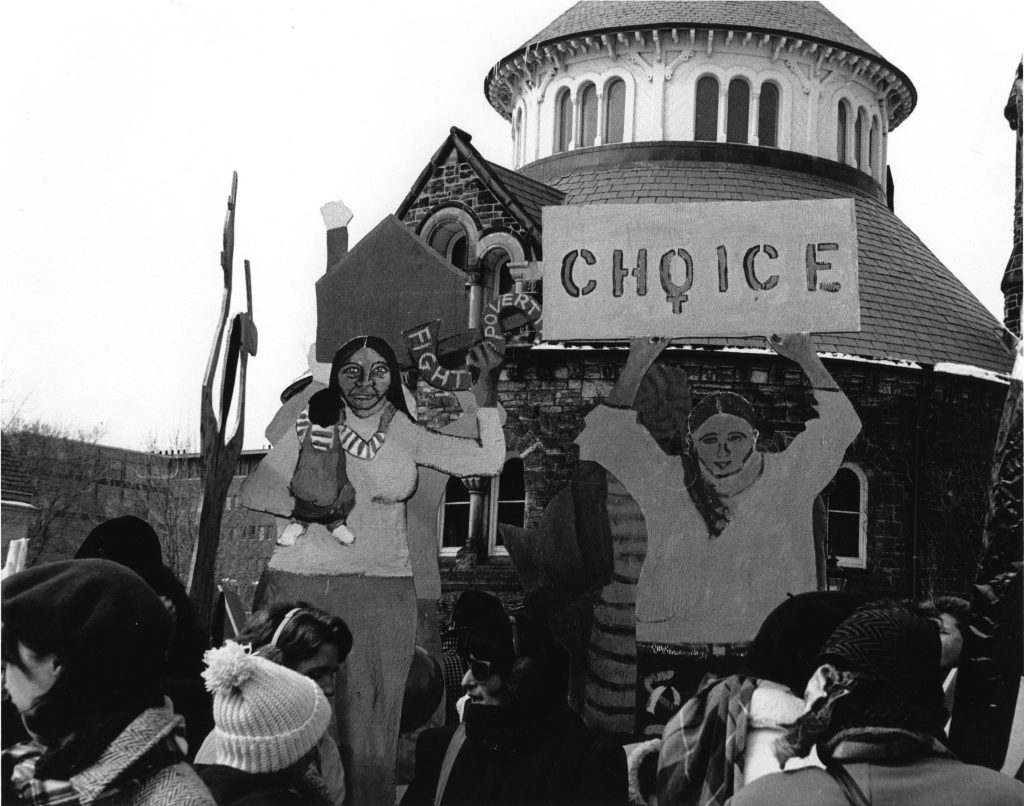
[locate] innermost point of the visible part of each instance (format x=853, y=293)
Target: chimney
x=336, y=217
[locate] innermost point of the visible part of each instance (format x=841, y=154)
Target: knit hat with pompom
x=266, y=717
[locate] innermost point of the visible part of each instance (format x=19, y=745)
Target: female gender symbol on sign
x=422, y=340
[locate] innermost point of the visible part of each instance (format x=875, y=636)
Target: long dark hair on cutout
x=325, y=407
x=707, y=500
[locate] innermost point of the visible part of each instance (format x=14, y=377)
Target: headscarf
x=887, y=677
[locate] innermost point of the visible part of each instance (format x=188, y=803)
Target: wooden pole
x=220, y=448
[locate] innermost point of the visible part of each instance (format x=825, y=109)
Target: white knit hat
x=266, y=717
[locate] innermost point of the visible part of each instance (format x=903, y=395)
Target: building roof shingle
x=15, y=483
x=811, y=20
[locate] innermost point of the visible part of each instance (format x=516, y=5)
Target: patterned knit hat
x=895, y=657
x=266, y=717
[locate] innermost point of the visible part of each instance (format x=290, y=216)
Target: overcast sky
x=124, y=121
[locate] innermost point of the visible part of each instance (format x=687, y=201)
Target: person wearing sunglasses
x=518, y=742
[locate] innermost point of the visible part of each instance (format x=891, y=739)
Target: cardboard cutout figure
x=370, y=580
x=730, y=529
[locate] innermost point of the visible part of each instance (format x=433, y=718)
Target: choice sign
x=700, y=269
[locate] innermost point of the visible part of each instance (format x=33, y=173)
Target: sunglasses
x=480, y=669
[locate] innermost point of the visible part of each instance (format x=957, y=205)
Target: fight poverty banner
x=700, y=269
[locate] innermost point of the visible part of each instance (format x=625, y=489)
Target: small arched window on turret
x=858, y=137
x=563, y=121
x=705, y=120
x=842, y=118
x=588, y=116
x=874, y=153
x=768, y=116
x=738, y=112
x=615, y=111
x=517, y=137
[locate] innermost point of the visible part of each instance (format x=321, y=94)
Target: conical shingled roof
x=912, y=307
x=809, y=21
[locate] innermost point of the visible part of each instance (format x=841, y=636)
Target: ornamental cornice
x=644, y=47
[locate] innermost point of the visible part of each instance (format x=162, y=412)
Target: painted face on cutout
x=483, y=689
x=723, y=443
x=321, y=668
x=26, y=685
x=364, y=380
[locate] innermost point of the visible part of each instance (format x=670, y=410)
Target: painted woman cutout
x=729, y=527
x=369, y=582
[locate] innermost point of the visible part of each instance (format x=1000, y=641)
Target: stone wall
x=455, y=184
x=947, y=422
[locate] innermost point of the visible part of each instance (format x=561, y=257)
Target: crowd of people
x=113, y=696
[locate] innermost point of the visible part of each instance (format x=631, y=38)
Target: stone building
x=629, y=102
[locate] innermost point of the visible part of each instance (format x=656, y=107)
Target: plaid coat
x=143, y=766
x=701, y=759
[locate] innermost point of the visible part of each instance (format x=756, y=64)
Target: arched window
x=504, y=501
x=615, y=111
x=517, y=137
x=449, y=239
x=705, y=122
x=841, y=123
x=847, y=497
x=509, y=505
x=497, y=279
x=768, y=116
x=453, y=516
x=858, y=137
x=563, y=121
x=874, y=157
x=738, y=111
x=588, y=116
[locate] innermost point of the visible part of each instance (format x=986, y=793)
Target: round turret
x=778, y=75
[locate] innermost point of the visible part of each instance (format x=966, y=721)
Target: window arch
x=705, y=120
x=847, y=505
x=588, y=115
x=842, y=121
x=504, y=502
x=517, y=137
x=497, y=279
x=563, y=121
x=614, y=111
x=449, y=240
x=508, y=502
x=737, y=120
x=768, y=115
x=453, y=517
x=874, y=153
x=452, y=233
x=859, y=132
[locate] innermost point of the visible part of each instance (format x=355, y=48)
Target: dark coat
x=504, y=759
x=921, y=782
x=232, y=787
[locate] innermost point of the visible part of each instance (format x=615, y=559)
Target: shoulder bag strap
x=853, y=793
x=454, y=746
